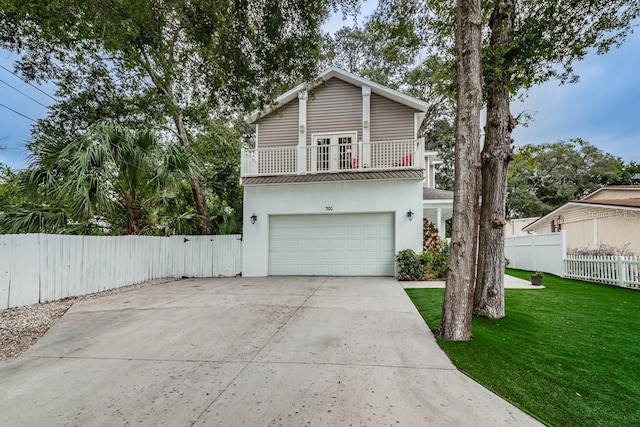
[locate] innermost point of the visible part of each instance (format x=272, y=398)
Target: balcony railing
x=356, y=157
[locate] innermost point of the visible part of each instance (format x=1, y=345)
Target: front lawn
x=568, y=354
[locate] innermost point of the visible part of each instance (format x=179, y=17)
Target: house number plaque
x=329, y=208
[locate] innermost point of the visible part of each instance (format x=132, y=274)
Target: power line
x=18, y=113
x=21, y=92
x=35, y=87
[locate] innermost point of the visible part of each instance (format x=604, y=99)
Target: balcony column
x=440, y=224
x=302, y=132
x=427, y=172
x=366, y=127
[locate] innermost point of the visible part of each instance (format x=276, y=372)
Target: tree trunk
x=496, y=154
x=198, y=196
x=458, y=299
x=134, y=215
x=163, y=84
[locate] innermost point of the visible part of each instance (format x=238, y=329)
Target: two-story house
x=335, y=183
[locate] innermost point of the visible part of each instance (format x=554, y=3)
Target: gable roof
x=620, y=203
x=612, y=187
x=348, y=77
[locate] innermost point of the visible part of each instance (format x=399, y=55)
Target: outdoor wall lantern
x=254, y=218
x=301, y=128
x=410, y=215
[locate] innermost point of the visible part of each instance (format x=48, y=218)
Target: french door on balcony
x=334, y=152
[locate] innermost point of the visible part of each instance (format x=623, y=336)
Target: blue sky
x=14, y=129
x=602, y=108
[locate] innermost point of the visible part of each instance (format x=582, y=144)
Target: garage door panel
x=353, y=232
x=310, y=245
x=333, y=231
x=353, y=244
x=351, y=257
x=372, y=232
x=338, y=244
x=320, y=256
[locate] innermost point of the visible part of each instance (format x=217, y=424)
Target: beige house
x=335, y=184
x=513, y=227
x=609, y=215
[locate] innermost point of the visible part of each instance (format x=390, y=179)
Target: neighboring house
x=514, y=226
x=334, y=185
x=609, y=215
x=437, y=207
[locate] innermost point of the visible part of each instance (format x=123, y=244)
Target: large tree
x=544, y=176
x=525, y=43
x=458, y=299
x=168, y=63
x=496, y=154
x=630, y=174
x=528, y=43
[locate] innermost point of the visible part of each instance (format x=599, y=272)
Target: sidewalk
x=510, y=282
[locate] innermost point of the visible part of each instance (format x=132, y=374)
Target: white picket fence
x=612, y=270
x=44, y=267
x=548, y=253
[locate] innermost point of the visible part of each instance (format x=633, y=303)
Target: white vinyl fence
x=537, y=252
x=548, y=253
x=45, y=267
x=612, y=270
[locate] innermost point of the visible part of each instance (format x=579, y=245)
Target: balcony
x=334, y=158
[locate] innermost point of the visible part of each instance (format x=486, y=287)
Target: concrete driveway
x=241, y=351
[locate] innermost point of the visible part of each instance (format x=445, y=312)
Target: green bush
x=409, y=265
x=440, y=263
x=425, y=266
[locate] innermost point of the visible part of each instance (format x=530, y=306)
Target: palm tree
x=112, y=176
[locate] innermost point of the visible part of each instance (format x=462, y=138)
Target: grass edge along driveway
x=569, y=355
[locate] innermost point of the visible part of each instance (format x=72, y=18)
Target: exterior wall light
x=254, y=218
x=301, y=128
x=365, y=124
x=410, y=215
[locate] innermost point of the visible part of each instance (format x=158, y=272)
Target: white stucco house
x=338, y=181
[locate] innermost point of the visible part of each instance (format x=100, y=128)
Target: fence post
x=563, y=248
x=535, y=253
x=621, y=272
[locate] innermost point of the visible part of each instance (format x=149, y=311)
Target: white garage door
x=332, y=245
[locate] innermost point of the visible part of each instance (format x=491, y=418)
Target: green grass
x=569, y=354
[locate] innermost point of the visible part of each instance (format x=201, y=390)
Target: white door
x=332, y=245
x=334, y=152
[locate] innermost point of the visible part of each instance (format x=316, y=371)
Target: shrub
x=409, y=265
x=425, y=266
x=601, y=250
x=440, y=263
x=431, y=240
